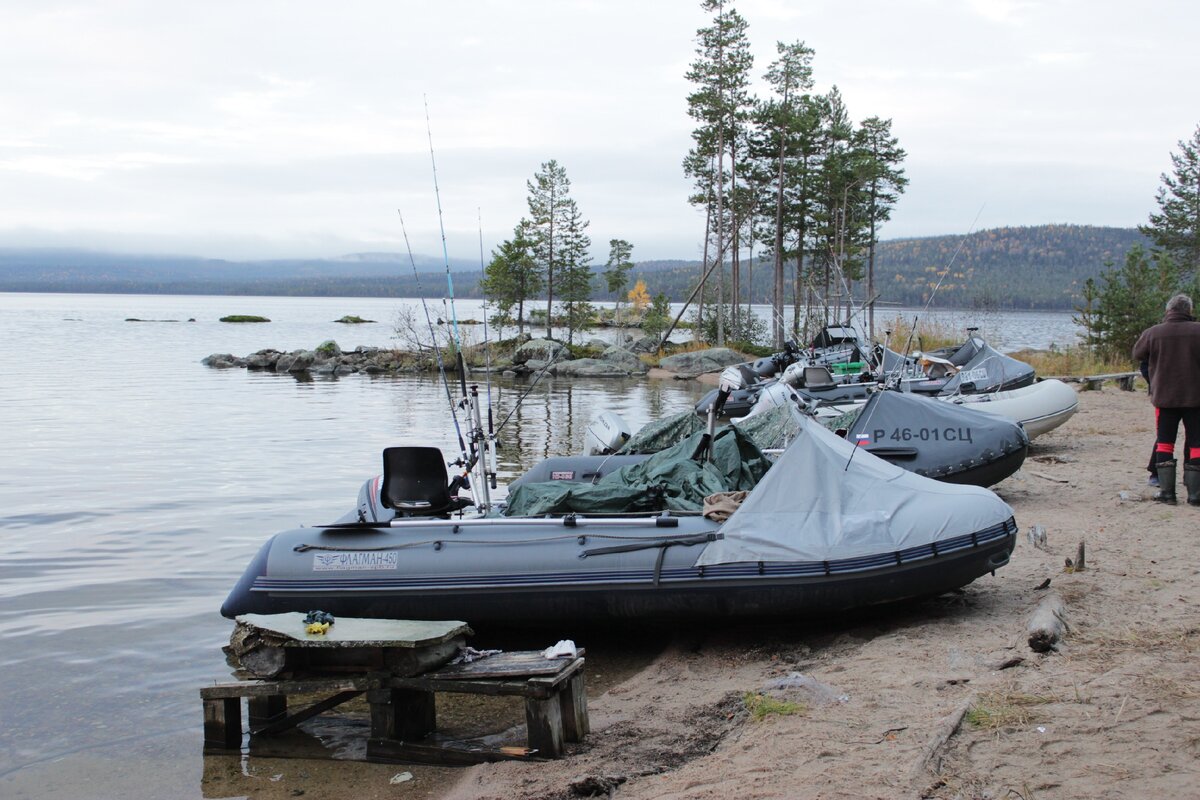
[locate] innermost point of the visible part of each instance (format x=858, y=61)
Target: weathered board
x=359, y=631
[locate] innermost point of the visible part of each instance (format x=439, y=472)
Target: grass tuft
x=1005, y=709
x=762, y=706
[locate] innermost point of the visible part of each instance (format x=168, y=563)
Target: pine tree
x=880, y=156
x=1175, y=229
x=616, y=270
x=780, y=125
x=512, y=276
x=549, y=204
x=576, y=272
x=720, y=104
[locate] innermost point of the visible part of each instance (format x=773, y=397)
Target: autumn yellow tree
x=639, y=297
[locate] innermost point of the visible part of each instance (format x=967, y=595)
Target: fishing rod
x=437, y=351
x=470, y=399
x=487, y=355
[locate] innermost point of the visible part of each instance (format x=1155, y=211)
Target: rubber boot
x=1166, y=482
x=1191, y=479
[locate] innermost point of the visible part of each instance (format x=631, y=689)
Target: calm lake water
x=137, y=483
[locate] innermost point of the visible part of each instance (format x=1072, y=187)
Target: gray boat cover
x=935, y=438
x=671, y=479
x=826, y=499
x=988, y=369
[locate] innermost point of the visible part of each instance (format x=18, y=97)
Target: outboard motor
x=608, y=433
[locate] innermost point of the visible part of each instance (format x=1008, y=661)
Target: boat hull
x=652, y=584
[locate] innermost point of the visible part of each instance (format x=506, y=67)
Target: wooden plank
x=544, y=721
x=314, y=686
x=292, y=720
x=223, y=723
x=360, y=631
x=504, y=665
x=488, y=687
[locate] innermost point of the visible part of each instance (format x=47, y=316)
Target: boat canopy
x=826, y=499
x=987, y=369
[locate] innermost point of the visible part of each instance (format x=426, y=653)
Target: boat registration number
x=922, y=435
x=972, y=375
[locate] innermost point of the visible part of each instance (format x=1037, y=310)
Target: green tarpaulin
x=671, y=479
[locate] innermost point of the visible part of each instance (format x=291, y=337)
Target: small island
x=244, y=318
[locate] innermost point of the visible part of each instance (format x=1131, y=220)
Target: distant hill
x=1037, y=267
x=1040, y=267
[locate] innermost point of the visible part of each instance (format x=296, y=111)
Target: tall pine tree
x=1175, y=229
x=550, y=205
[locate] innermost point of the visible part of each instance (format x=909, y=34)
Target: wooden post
x=404, y=714
x=223, y=723
x=573, y=702
x=544, y=719
x=263, y=710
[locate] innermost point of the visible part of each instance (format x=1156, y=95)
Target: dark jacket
x=1172, y=349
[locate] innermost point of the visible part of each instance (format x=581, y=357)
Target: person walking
x=1172, y=352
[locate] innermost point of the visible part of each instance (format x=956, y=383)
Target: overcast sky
x=275, y=129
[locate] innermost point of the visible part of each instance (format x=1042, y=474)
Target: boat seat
x=415, y=483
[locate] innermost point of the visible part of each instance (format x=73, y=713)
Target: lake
x=138, y=483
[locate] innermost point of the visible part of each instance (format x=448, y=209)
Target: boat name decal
x=923, y=435
x=326, y=562
x=971, y=375
x=566, y=475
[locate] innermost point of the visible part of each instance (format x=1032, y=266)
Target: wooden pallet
x=402, y=708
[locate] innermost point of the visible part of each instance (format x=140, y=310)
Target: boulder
x=541, y=349
x=619, y=356
x=263, y=359
x=223, y=361
x=328, y=349
x=646, y=344
x=711, y=360
x=295, y=361
x=591, y=368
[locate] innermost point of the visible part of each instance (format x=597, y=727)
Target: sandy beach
x=943, y=698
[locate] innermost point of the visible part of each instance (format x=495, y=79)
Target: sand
x=942, y=698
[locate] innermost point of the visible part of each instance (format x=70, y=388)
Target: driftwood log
x=931, y=754
x=1047, y=624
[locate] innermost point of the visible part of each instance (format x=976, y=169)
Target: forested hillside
x=1042, y=267
x=1029, y=267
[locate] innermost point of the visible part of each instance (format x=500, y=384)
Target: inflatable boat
x=972, y=367
x=826, y=527
x=1040, y=407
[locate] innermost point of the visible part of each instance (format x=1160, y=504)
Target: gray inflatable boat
x=826, y=527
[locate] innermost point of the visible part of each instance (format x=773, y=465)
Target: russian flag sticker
x=863, y=438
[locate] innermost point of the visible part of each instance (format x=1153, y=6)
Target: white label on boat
x=325, y=562
x=977, y=374
x=568, y=475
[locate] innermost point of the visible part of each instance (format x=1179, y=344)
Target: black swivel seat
x=415, y=483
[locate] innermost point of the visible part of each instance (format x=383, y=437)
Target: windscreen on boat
x=989, y=371
x=671, y=479
x=825, y=499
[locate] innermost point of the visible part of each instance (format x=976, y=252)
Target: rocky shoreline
x=529, y=356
